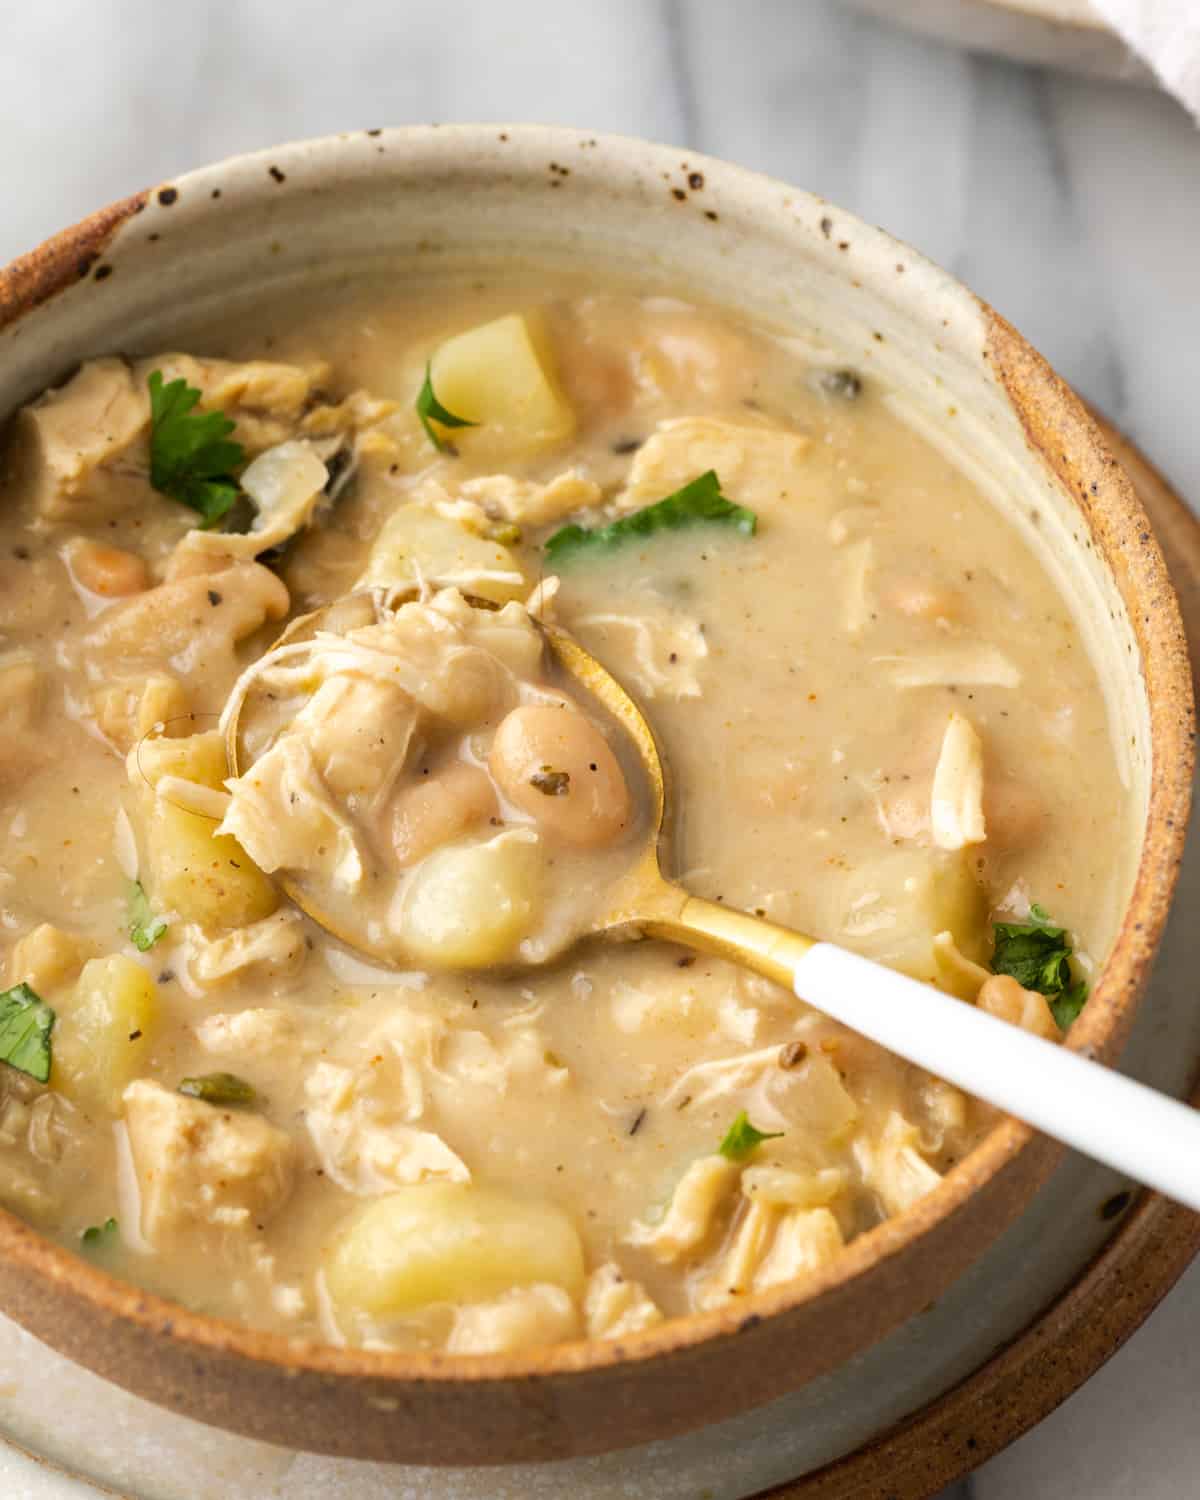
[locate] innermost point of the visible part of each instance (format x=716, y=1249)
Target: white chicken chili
x=464, y=1127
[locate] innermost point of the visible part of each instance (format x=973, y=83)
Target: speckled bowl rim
x=1070, y=444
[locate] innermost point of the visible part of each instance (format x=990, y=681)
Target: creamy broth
x=880, y=726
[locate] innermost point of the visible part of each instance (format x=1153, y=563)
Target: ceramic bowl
x=669, y=221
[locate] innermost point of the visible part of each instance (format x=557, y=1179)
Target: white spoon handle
x=1148, y=1136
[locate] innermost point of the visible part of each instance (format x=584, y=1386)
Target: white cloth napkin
x=1167, y=34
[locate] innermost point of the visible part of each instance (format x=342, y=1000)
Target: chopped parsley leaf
x=551, y=783
x=145, y=928
x=699, y=502
x=99, y=1236
x=1037, y=954
x=431, y=410
x=26, y=1022
x=191, y=457
x=742, y=1139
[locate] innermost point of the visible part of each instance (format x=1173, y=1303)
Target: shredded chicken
x=857, y=565
x=956, y=804
x=805, y=1240
x=286, y=484
x=689, y=1219
x=523, y=1318
x=958, y=973
x=530, y=503
x=363, y=1143
x=258, y=1032
x=893, y=1165
x=273, y=948
x=960, y=666
x=614, y=1306
x=667, y=651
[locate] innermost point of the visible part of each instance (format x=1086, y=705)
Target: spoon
x=1146, y=1135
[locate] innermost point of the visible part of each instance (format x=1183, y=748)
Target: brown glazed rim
x=1058, y=427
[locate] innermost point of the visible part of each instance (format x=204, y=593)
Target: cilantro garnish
x=431, y=410
x=99, y=1236
x=191, y=457
x=698, y=502
x=742, y=1139
x=219, y=1088
x=145, y=928
x=1037, y=954
x=26, y=1022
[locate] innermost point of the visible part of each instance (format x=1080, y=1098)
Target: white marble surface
x=1073, y=206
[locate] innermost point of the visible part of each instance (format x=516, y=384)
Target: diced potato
x=470, y=905
x=450, y=1242
x=416, y=543
x=207, y=879
x=501, y=376
x=891, y=908
x=104, y=1032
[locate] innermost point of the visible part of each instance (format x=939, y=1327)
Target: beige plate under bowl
x=450, y=199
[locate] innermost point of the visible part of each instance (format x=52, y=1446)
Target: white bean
x=555, y=765
x=439, y=808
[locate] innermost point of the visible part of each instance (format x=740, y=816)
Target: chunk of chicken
x=189, y=627
x=273, y=948
x=285, y=484
x=257, y=1032
x=615, y=1306
x=79, y=451
x=526, y=1317
x=200, y=1167
x=283, y=816
x=529, y=503
x=360, y=733
x=760, y=467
